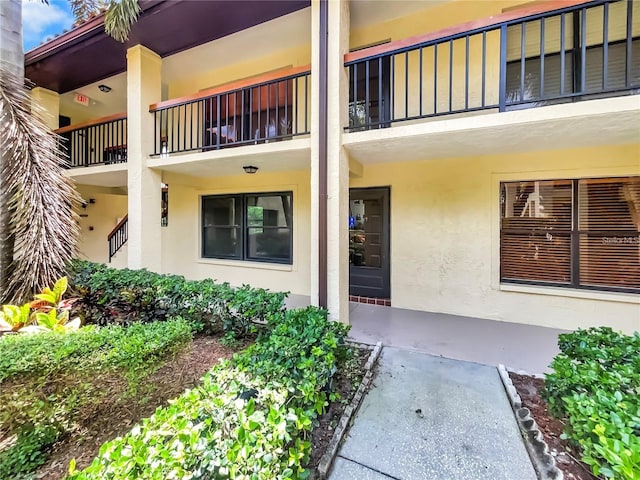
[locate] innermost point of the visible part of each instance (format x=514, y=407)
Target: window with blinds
x=543, y=67
x=576, y=233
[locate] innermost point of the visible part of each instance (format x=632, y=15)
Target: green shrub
x=45, y=379
x=111, y=296
x=249, y=419
x=90, y=348
x=596, y=388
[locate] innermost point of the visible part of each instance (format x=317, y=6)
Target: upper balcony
x=214, y=91
x=263, y=109
x=95, y=144
x=482, y=79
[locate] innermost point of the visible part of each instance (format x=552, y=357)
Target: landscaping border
x=543, y=462
x=324, y=466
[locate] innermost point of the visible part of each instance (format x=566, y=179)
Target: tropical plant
x=595, y=390
x=38, y=229
x=109, y=296
x=120, y=15
x=47, y=312
x=14, y=317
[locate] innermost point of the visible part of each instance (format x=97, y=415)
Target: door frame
x=386, y=231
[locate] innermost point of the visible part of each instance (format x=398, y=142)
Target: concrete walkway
x=431, y=418
x=519, y=346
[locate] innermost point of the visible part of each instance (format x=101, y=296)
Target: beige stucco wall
x=181, y=251
x=431, y=18
x=445, y=237
x=102, y=215
x=292, y=57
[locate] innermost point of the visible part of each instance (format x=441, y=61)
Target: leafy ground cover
x=250, y=418
x=108, y=417
x=48, y=380
x=64, y=392
x=594, y=391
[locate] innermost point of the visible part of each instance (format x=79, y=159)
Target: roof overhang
x=86, y=54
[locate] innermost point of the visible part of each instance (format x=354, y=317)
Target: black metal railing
x=118, y=236
x=101, y=142
x=271, y=110
x=576, y=53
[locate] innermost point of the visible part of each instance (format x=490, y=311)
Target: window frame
x=574, y=235
x=241, y=200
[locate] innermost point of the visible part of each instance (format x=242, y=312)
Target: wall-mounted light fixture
x=104, y=88
x=250, y=169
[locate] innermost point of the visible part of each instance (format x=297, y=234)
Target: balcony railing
x=272, y=107
x=97, y=142
x=520, y=59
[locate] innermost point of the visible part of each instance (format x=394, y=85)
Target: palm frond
x=43, y=223
x=121, y=15
x=84, y=9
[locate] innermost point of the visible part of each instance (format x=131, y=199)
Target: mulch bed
x=108, y=419
x=346, y=382
x=567, y=458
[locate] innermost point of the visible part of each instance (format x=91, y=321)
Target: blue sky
x=40, y=20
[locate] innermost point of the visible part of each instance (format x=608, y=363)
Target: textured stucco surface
x=181, y=239
x=445, y=236
x=143, y=88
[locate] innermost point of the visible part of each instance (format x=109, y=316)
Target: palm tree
x=38, y=229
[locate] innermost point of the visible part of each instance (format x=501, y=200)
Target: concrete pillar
x=143, y=88
x=337, y=158
x=46, y=104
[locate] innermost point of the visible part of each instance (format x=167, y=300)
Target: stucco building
x=479, y=158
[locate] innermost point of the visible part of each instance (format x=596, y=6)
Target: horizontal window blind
x=594, y=31
x=609, y=224
x=594, y=79
x=593, y=242
x=552, y=81
x=536, y=231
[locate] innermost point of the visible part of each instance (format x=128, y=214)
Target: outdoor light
x=250, y=169
x=104, y=88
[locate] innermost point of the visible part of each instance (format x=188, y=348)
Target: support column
x=46, y=104
x=337, y=164
x=144, y=191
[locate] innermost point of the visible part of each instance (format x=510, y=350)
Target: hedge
x=46, y=378
x=250, y=418
x=595, y=387
x=112, y=296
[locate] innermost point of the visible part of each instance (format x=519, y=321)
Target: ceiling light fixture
x=250, y=169
x=104, y=88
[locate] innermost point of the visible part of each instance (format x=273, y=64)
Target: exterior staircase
x=118, y=237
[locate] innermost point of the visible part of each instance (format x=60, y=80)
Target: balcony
x=478, y=79
x=97, y=142
x=269, y=108
x=97, y=151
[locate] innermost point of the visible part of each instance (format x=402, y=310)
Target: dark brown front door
x=369, y=242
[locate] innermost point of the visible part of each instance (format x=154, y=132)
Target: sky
x=40, y=20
